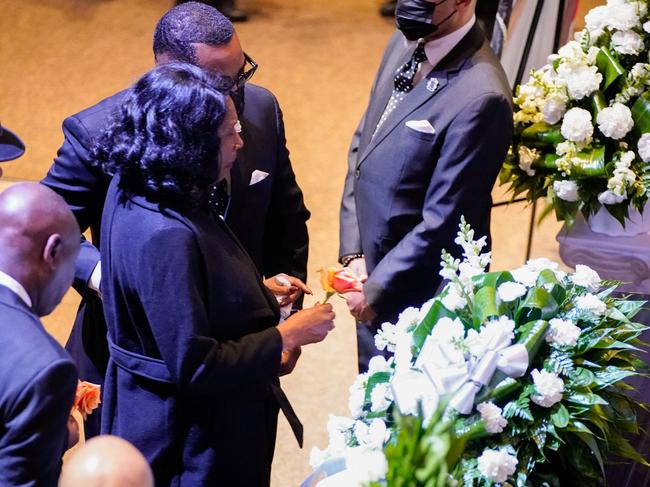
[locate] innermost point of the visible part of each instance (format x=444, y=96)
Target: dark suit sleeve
x=81, y=186
x=349, y=235
x=36, y=433
x=286, y=240
x=85, y=264
x=170, y=290
x=471, y=156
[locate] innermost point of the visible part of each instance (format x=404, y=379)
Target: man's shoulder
x=26, y=349
x=259, y=99
x=95, y=117
x=482, y=75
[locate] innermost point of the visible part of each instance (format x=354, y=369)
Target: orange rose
x=87, y=398
x=341, y=280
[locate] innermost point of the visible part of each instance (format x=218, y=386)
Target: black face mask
x=414, y=18
x=238, y=98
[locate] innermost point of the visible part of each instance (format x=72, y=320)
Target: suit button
x=357, y=173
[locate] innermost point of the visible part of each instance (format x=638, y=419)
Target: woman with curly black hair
x=195, y=345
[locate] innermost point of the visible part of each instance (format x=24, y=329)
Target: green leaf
x=610, y=375
x=560, y=418
x=592, y=163
x=598, y=102
x=629, y=308
x=373, y=380
x=608, y=66
x=541, y=134
x=485, y=305
x=641, y=114
x=582, y=378
x=621, y=447
x=539, y=303
x=531, y=336
x=423, y=330
x=593, y=446
x=586, y=398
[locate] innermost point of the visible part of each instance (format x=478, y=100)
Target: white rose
x=591, y=303
x=548, y=386
x=526, y=158
x=563, y=332
x=644, y=147
x=509, y=291
x=491, y=414
x=497, y=465
x=566, y=190
x=543, y=263
x=627, y=42
x=615, y=121
x=610, y=198
x=554, y=107
x=585, y=276
x=525, y=275
x=577, y=126
x=380, y=397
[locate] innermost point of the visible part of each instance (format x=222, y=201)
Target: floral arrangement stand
x=625, y=259
x=508, y=378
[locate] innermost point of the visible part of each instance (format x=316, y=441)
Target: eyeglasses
x=245, y=74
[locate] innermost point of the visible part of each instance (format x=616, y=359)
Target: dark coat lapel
x=421, y=93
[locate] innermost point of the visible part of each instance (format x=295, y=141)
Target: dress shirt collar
x=9, y=282
x=437, y=49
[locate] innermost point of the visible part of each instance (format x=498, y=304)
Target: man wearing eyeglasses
x=261, y=202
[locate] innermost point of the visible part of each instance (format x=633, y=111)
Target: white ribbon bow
x=463, y=382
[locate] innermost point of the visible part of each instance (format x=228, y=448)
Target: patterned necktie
x=403, y=82
x=219, y=198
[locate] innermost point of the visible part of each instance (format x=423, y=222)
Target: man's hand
x=310, y=325
x=73, y=432
x=358, y=266
x=289, y=360
x=288, y=287
x=359, y=307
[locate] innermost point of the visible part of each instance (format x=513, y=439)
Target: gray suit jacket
x=405, y=190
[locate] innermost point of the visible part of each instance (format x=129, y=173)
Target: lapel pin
x=432, y=84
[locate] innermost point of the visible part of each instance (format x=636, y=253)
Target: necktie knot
x=406, y=73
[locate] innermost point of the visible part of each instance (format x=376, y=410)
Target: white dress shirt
x=17, y=288
x=437, y=49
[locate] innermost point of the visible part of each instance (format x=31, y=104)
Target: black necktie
x=403, y=81
x=219, y=198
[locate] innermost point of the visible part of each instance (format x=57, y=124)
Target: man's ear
x=52, y=250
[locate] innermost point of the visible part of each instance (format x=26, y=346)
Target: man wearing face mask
x=261, y=202
x=427, y=151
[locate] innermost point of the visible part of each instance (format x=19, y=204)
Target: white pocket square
x=421, y=126
x=258, y=176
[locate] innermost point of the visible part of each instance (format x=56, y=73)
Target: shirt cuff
x=95, y=280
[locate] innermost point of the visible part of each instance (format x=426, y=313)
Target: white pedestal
x=625, y=259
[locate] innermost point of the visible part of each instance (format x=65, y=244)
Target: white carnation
x=378, y=363
x=373, y=435
x=585, y=276
x=548, y=387
x=408, y=318
x=577, y=126
x=339, y=429
x=608, y=197
x=555, y=107
x=596, y=20
x=591, y=303
x=364, y=467
x=357, y=395
x=622, y=15
x=646, y=26
x=563, y=332
x=509, y=291
x=566, y=190
x=493, y=331
x=525, y=275
x=615, y=121
x=581, y=79
x=497, y=465
x=380, y=397
x=627, y=42
x=644, y=147
x=491, y=414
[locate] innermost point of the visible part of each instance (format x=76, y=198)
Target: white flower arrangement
x=599, y=80
x=496, y=386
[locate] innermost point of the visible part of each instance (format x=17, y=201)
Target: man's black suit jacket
x=269, y=218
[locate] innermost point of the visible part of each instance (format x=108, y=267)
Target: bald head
x=40, y=238
x=106, y=461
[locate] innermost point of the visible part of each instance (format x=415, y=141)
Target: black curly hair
x=188, y=24
x=163, y=141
